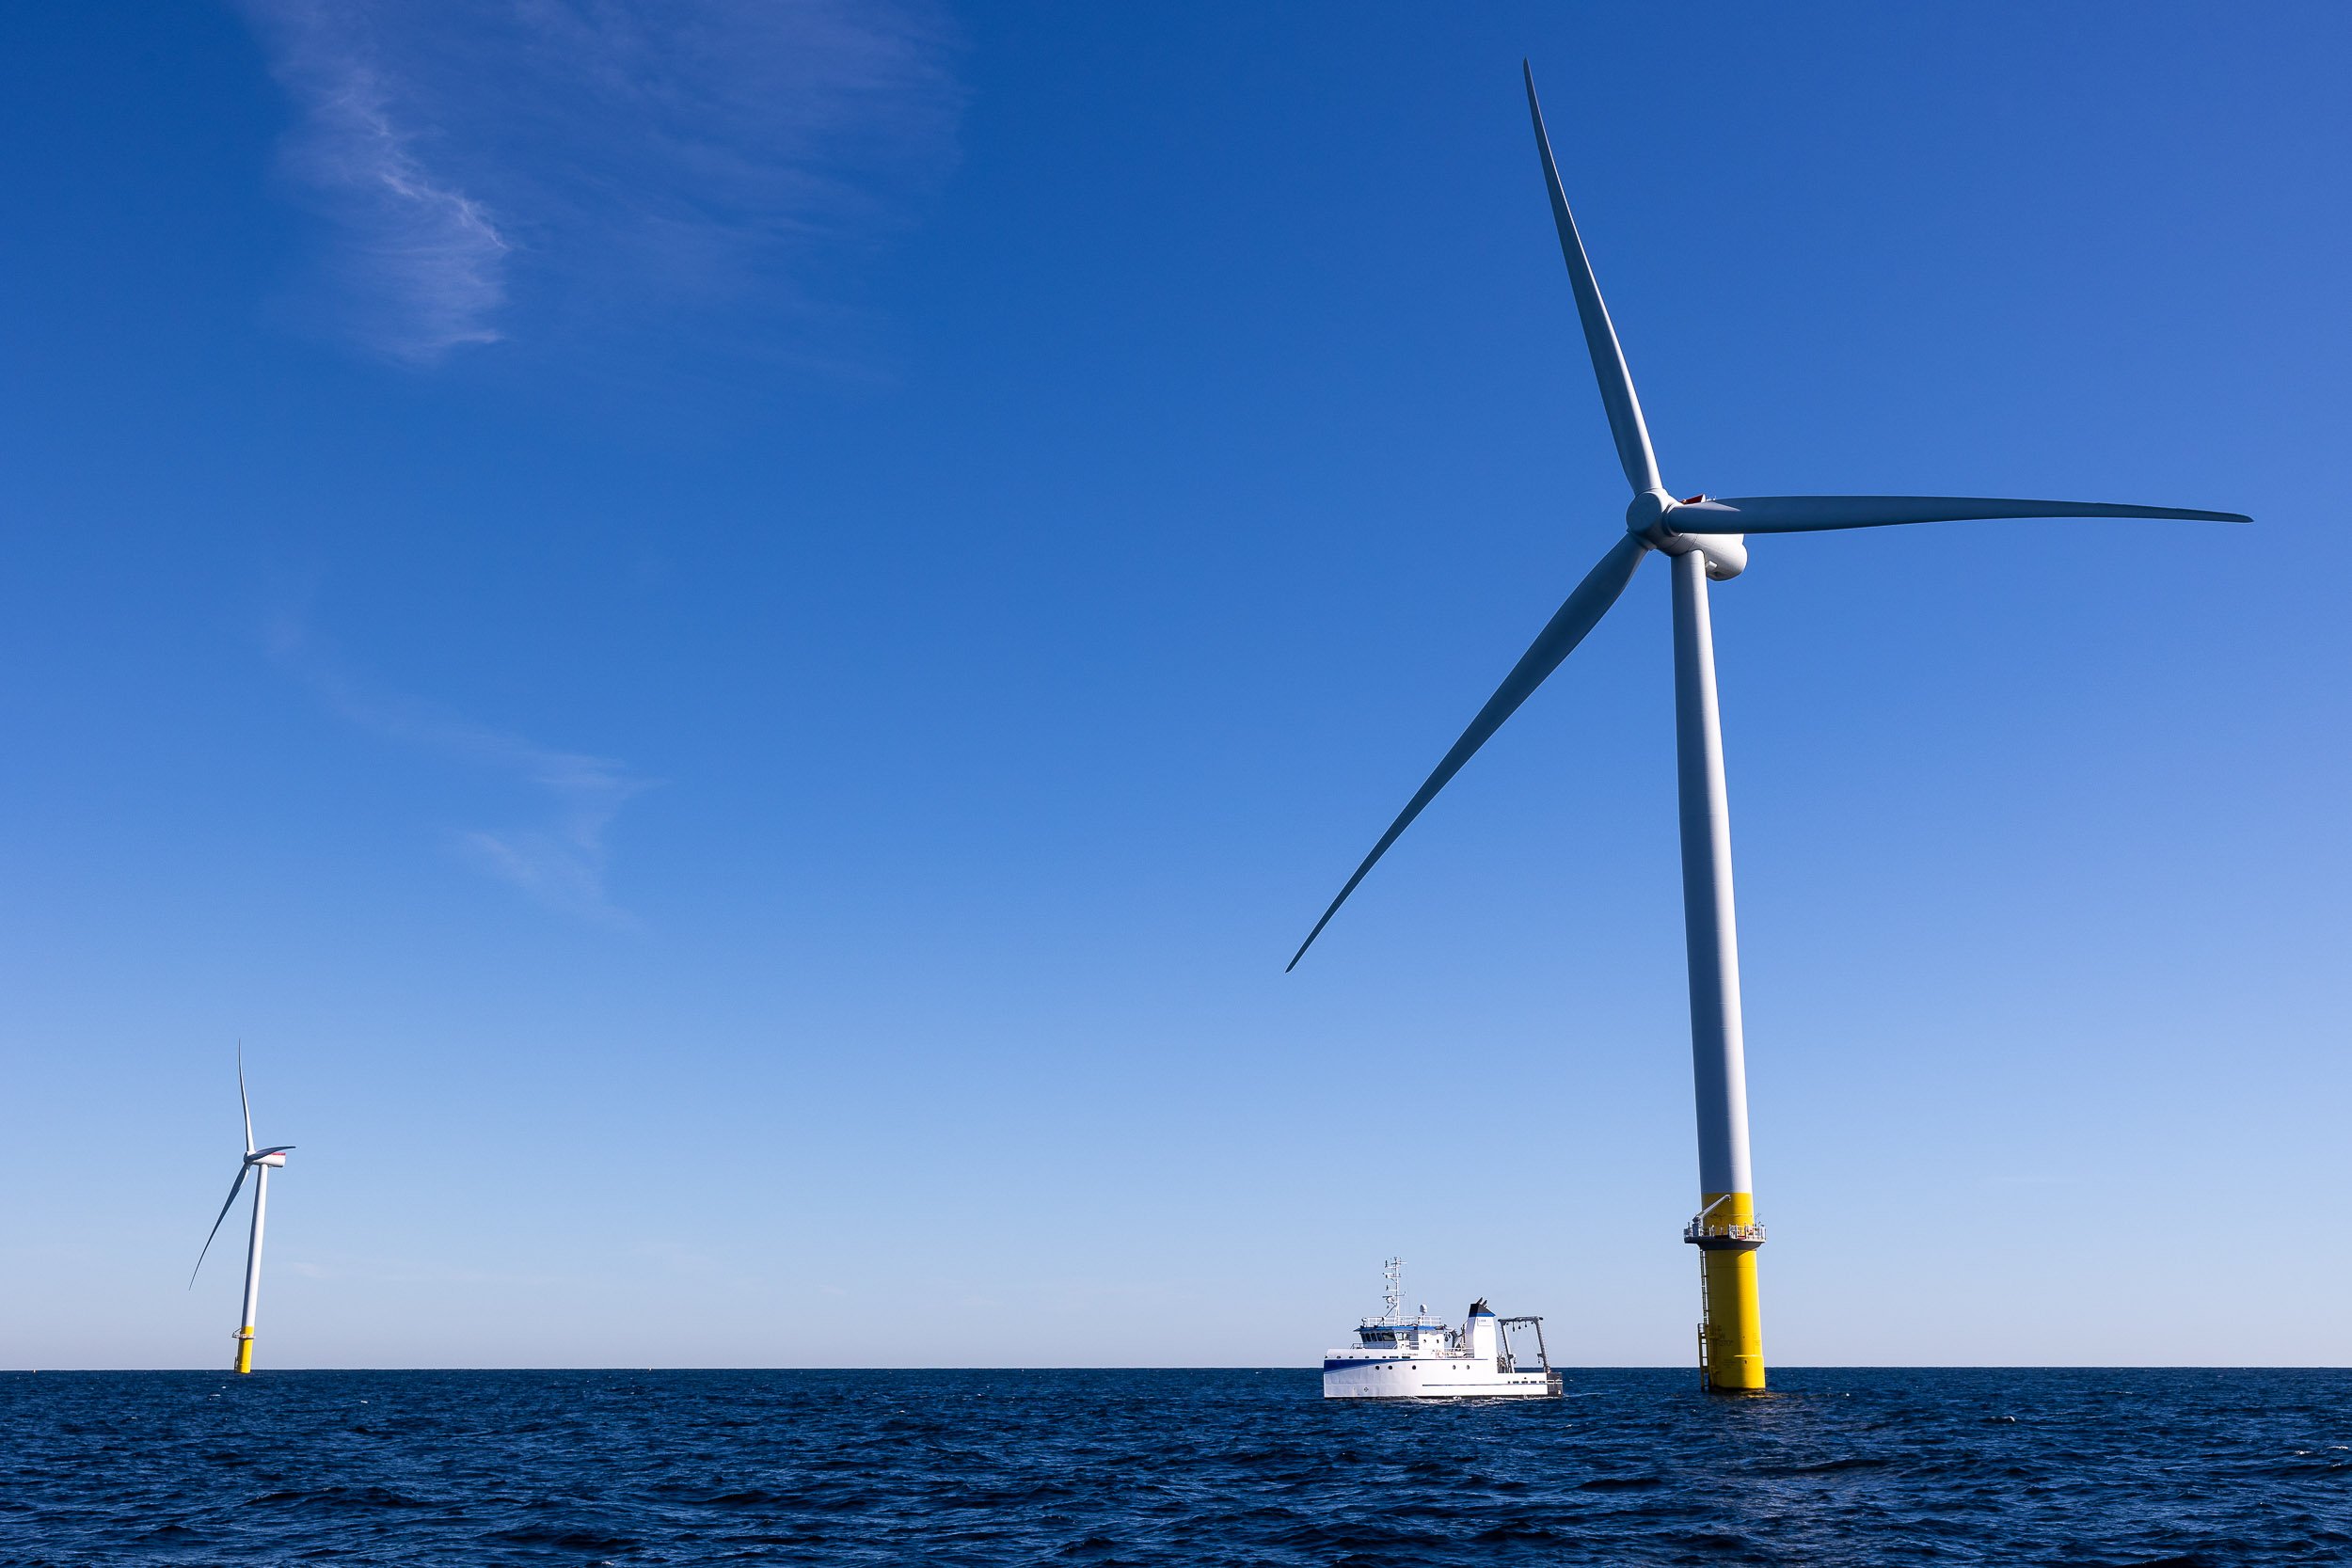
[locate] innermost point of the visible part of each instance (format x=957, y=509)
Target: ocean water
x=2081, y=1468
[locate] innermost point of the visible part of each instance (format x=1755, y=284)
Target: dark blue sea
x=2215, y=1469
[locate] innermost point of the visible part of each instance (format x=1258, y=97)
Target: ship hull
x=1432, y=1378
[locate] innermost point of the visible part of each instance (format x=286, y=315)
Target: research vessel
x=1419, y=1355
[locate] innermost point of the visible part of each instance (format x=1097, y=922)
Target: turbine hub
x=1644, y=518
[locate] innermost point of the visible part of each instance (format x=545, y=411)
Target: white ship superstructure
x=1402, y=1355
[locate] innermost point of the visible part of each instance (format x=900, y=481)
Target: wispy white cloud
x=494, y=168
x=559, y=860
x=422, y=263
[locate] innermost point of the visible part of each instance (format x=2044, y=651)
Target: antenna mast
x=1392, y=1292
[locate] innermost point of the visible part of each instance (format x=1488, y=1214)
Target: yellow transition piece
x=245, y=1350
x=1734, y=1326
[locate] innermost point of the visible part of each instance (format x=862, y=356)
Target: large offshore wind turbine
x=1703, y=539
x=258, y=1163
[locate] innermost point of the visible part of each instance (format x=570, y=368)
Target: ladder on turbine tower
x=1704, y=1379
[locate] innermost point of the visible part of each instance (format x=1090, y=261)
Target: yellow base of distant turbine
x=245, y=1350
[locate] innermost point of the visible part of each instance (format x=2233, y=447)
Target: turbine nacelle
x=274, y=1158
x=1652, y=518
x=1726, y=553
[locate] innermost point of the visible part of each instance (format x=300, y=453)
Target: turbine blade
x=1600, y=336
x=1577, y=616
x=245, y=1104
x=1815, y=513
x=233, y=1189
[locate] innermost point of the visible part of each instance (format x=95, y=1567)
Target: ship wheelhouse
x=1423, y=1334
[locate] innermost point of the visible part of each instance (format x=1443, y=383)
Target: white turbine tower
x=258, y=1163
x=1703, y=539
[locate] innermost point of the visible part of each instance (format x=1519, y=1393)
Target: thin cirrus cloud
x=557, y=860
x=495, y=169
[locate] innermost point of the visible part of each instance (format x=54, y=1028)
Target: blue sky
x=737, y=640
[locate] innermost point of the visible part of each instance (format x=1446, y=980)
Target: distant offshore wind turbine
x=1703, y=539
x=258, y=1163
